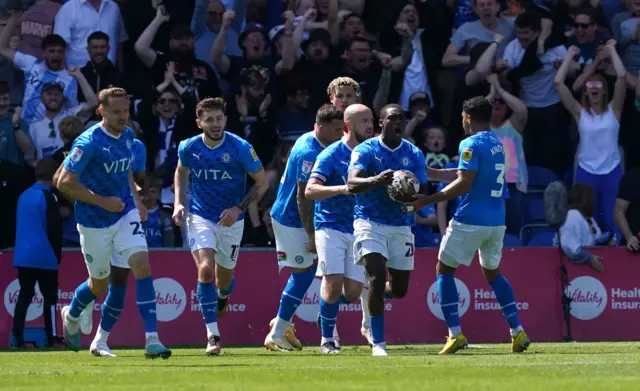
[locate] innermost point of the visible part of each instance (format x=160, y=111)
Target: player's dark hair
x=53, y=40
x=107, y=93
x=587, y=12
x=582, y=198
x=478, y=108
x=45, y=169
x=385, y=110
x=70, y=128
x=210, y=104
x=530, y=20
x=97, y=36
x=4, y=88
x=328, y=113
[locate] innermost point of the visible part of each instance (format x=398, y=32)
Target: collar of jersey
x=107, y=133
x=346, y=145
x=318, y=140
x=224, y=137
x=387, y=147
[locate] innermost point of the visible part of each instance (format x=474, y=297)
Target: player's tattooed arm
x=359, y=183
x=305, y=209
x=261, y=184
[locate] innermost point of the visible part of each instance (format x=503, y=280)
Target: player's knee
x=139, y=263
x=119, y=276
x=441, y=268
x=99, y=287
x=332, y=287
x=205, y=272
x=352, y=290
x=490, y=274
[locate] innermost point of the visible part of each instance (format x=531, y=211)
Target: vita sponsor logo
x=11, y=298
x=433, y=299
x=171, y=299
x=588, y=297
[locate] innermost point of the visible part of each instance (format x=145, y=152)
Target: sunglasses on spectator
x=52, y=130
x=594, y=84
x=170, y=101
x=582, y=25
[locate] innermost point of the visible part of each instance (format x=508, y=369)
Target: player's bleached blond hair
x=336, y=83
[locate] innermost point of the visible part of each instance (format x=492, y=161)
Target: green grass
x=548, y=367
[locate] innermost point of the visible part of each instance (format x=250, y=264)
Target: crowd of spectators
x=562, y=77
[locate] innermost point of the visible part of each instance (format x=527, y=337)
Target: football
x=404, y=186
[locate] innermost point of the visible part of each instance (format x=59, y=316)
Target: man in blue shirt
x=38, y=250
x=218, y=162
x=292, y=219
x=382, y=228
x=97, y=174
x=333, y=220
x=477, y=225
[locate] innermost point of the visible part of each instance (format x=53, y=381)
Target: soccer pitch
x=548, y=367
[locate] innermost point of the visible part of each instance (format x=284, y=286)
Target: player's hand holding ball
x=384, y=178
x=178, y=215
x=404, y=186
x=112, y=204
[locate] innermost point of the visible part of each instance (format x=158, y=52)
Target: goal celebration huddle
x=344, y=209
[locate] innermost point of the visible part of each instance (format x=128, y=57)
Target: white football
x=404, y=186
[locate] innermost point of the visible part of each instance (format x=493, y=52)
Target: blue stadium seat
x=32, y=335
x=529, y=231
x=542, y=239
x=512, y=241
x=533, y=208
x=568, y=179
x=539, y=178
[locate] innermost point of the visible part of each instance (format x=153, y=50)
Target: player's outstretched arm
x=359, y=183
x=445, y=175
x=68, y=184
x=458, y=187
x=317, y=191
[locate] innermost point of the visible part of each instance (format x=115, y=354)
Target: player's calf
x=376, y=269
x=208, y=298
x=111, y=310
x=226, y=282
x=330, y=293
x=507, y=301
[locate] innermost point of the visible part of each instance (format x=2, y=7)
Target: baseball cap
x=181, y=31
x=53, y=84
x=420, y=96
x=317, y=34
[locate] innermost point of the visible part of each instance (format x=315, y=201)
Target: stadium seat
x=529, y=231
x=32, y=335
x=533, y=208
x=539, y=178
x=568, y=179
x=542, y=239
x=512, y=241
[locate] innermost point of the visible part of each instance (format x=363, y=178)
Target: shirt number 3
x=499, y=180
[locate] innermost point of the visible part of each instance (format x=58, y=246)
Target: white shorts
x=225, y=241
x=114, y=245
x=291, y=244
x=396, y=244
x=335, y=255
x=461, y=241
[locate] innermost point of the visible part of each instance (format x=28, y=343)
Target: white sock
x=151, y=335
x=325, y=340
x=364, y=302
x=280, y=326
x=515, y=331
x=454, y=331
x=102, y=335
x=212, y=329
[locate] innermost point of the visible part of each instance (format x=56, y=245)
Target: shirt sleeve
x=304, y=164
x=457, y=39
x=80, y=155
x=421, y=168
x=249, y=158
x=469, y=156
x=360, y=158
x=509, y=55
x=182, y=154
x=23, y=61
x=62, y=23
x=322, y=168
x=139, y=157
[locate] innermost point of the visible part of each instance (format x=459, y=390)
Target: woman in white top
x=598, y=119
x=580, y=230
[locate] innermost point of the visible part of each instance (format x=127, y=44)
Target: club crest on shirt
x=128, y=144
x=405, y=161
x=226, y=158
x=306, y=166
x=254, y=155
x=76, y=155
x=466, y=154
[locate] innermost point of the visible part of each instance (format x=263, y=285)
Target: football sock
x=146, y=300
x=208, y=299
x=81, y=299
x=112, y=307
x=223, y=293
x=377, y=329
x=504, y=294
x=449, y=302
x=291, y=298
x=328, y=316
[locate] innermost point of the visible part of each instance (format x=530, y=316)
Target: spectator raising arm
x=620, y=89
x=483, y=67
x=519, y=117
x=289, y=52
x=89, y=95
x=143, y=45
x=566, y=96
x=23, y=141
x=452, y=59
x=218, y=58
x=398, y=64
x=5, y=36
